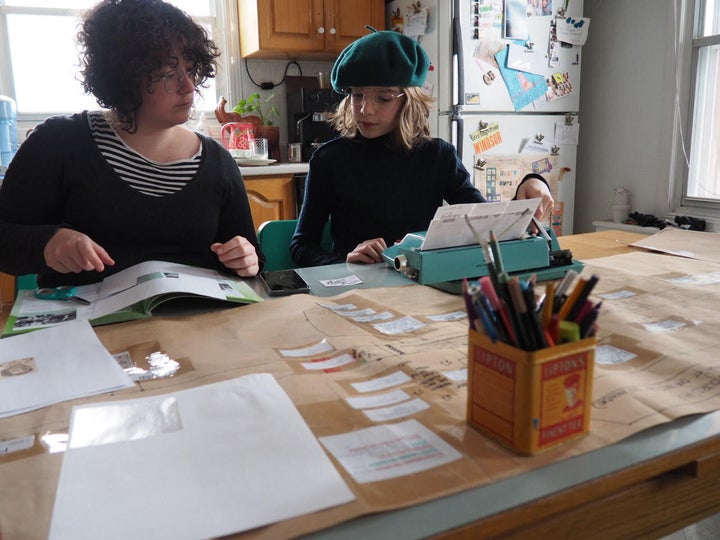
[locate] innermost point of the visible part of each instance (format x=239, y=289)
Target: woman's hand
x=367, y=252
x=532, y=188
x=72, y=251
x=238, y=254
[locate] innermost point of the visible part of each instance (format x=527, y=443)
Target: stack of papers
x=54, y=365
x=507, y=220
x=198, y=463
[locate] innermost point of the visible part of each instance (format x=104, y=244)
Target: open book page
x=508, y=220
x=129, y=294
x=149, y=282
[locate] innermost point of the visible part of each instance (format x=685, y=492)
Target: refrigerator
x=505, y=75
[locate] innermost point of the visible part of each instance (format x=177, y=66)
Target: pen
x=468, y=304
x=523, y=329
x=501, y=314
x=587, y=323
x=483, y=313
x=583, y=296
x=562, y=288
x=528, y=291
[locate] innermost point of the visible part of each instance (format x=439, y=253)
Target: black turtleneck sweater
x=369, y=191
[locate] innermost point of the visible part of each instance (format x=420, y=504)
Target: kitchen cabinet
x=271, y=197
x=307, y=29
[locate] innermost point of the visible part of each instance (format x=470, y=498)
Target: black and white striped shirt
x=149, y=177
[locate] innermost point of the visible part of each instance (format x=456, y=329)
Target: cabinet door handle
x=321, y=30
x=333, y=31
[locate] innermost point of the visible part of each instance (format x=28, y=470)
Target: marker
x=568, y=331
x=528, y=291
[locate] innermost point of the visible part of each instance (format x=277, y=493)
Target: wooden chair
x=275, y=236
x=10, y=285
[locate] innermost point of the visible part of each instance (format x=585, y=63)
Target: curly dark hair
x=125, y=42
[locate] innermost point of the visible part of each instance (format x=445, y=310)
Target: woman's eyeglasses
x=175, y=78
x=379, y=98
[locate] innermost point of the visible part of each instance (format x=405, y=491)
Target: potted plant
x=265, y=109
x=258, y=112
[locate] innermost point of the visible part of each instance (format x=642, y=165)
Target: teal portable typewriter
x=445, y=268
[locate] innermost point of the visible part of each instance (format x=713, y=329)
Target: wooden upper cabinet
x=309, y=29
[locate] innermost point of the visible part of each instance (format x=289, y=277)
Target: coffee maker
x=308, y=107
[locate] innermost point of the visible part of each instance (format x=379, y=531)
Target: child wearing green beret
x=384, y=176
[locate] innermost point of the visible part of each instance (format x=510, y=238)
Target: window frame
x=690, y=17
x=228, y=77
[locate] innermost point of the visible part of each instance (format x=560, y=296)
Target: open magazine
x=130, y=294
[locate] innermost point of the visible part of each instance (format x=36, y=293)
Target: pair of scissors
x=63, y=292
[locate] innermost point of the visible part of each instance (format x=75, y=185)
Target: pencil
x=547, y=305
x=572, y=299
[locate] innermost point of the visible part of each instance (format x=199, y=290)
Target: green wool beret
x=383, y=58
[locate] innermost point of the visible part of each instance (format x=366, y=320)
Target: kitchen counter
x=274, y=169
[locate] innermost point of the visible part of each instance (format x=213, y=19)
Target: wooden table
x=647, y=486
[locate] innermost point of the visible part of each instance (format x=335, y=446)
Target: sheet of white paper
x=507, y=220
x=522, y=59
x=567, y=133
x=54, y=365
x=204, y=462
x=533, y=146
x=573, y=30
x=389, y=451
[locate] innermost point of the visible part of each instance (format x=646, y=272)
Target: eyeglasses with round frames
x=379, y=98
x=175, y=78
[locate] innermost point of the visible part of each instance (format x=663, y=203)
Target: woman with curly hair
x=384, y=176
x=93, y=193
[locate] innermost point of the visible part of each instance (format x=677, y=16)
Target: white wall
x=626, y=108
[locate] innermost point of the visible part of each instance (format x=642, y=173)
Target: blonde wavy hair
x=413, y=126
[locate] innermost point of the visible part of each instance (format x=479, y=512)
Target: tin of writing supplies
x=530, y=401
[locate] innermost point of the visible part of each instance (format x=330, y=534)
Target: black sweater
x=59, y=178
x=369, y=191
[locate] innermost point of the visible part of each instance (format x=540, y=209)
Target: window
x=702, y=157
x=46, y=29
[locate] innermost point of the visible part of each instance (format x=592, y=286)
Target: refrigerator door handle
x=457, y=134
x=457, y=52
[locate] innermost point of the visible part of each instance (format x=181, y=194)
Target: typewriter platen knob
x=400, y=263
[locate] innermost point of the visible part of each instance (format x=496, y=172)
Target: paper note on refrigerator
x=507, y=220
x=573, y=30
x=524, y=59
